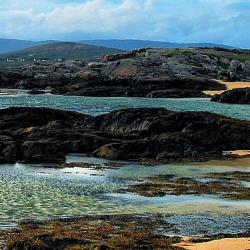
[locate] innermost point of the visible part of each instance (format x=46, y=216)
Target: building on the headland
x=15, y=59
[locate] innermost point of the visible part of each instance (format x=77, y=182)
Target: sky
x=216, y=21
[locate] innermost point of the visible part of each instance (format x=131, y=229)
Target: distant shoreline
x=229, y=86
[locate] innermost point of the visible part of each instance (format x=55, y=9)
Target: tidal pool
x=38, y=192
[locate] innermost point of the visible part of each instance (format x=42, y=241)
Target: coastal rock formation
x=140, y=73
x=236, y=96
x=48, y=135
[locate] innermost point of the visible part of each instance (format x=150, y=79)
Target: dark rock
x=234, y=71
x=235, y=96
x=42, y=151
x=141, y=73
x=47, y=135
x=8, y=149
x=163, y=185
x=36, y=92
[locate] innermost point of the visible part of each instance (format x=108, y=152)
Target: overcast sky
x=218, y=21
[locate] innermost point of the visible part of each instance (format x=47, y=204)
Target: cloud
x=221, y=21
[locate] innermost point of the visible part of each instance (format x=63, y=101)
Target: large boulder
x=46, y=151
x=8, y=149
x=235, y=70
x=235, y=96
x=246, y=70
x=39, y=135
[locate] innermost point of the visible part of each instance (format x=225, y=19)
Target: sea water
x=43, y=192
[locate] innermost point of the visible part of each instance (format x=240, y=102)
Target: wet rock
x=162, y=185
x=8, y=149
x=235, y=96
x=42, y=151
x=47, y=135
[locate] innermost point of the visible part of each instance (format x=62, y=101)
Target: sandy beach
x=237, y=153
x=230, y=86
x=223, y=244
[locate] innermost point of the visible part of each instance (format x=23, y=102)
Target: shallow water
x=99, y=105
x=38, y=192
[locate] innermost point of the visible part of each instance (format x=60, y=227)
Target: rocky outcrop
x=47, y=135
x=235, y=96
x=235, y=70
x=146, y=88
x=142, y=73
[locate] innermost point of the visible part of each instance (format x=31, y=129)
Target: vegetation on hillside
x=58, y=51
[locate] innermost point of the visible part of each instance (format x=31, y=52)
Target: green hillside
x=60, y=50
x=130, y=44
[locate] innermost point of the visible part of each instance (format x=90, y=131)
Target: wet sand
x=222, y=244
x=230, y=86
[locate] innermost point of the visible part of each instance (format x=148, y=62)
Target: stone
x=41, y=135
x=172, y=73
x=235, y=96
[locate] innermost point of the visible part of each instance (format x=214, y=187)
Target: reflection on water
x=28, y=192
x=99, y=105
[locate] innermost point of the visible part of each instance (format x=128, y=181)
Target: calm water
x=38, y=192
x=99, y=105
x=35, y=191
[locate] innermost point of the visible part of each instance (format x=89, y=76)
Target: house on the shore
x=15, y=59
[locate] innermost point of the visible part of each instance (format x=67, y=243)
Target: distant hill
x=8, y=45
x=136, y=44
x=61, y=50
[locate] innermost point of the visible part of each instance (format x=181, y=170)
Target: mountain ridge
x=10, y=45
x=60, y=50
x=131, y=44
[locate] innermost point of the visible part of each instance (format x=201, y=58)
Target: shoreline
x=219, y=244
x=181, y=193
x=229, y=86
